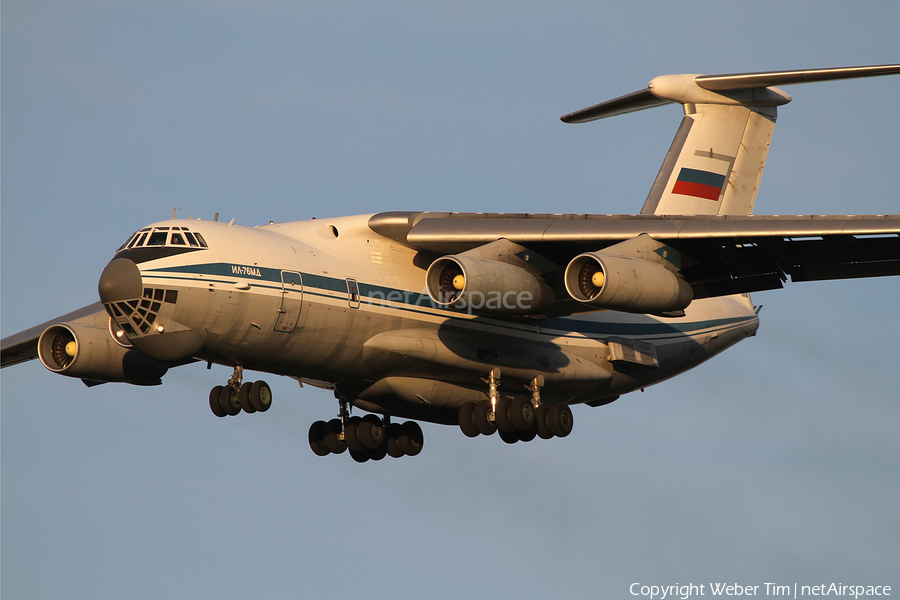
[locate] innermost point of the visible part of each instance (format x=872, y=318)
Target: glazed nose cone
x=120, y=280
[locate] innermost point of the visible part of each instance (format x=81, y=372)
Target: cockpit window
x=177, y=237
x=158, y=238
x=127, y=242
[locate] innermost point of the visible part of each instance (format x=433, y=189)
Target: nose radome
x=120, y=280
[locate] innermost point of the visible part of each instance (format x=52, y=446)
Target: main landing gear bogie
x=517, y=419
x=366, y=438
x=237, y=396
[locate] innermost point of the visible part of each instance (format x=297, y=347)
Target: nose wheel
x=236, y=396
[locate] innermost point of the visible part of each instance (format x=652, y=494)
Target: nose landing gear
x=232, y=398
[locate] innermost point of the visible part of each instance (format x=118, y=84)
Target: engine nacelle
x=486, y=286
x=626, y=284
x=90, y=353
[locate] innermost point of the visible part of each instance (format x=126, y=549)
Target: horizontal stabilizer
x=705, y=89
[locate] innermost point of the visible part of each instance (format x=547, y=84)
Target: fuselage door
x=291, y=301
x=353, y=293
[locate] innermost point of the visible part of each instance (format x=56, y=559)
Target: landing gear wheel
x=214, y=404
x=467, y=420
x=228, y=400
x=510, y=437
x=351, y=435
x=377, y=453
x=317, y=438
x=261, y=396
x=501, y=415
x=332, y=437
x=528, y=434
x=521, y=413
x=359, y=456
x=244, y=398
x=371, y=432
x=393, y=433
x=559, y=420
x=411, y=438
x=540, y=416
x=482, y=410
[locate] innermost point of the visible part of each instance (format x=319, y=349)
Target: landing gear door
x=291, y=301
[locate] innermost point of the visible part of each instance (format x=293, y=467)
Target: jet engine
x=486, y=286
x=626, y=284
x=90, y=353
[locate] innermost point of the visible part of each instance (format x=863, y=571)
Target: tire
x=332, y=439
x=521, y=413
x=371, y=432
x=411, y=438
x=393, y=433
x=528, y=434
x=317, y=438
x=467, y=420
x=244, y=398
x=359, y=456
x=540, y=416
x=214, y=404
x=501, y=415
x=510, y=437
x=229, y=402
x=261, y=396
x=377, y=453
x=351, y=435
x=559, y=420
x=482, y=410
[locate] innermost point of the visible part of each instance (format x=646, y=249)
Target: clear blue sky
x=775, y=462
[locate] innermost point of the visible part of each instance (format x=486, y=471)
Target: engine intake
x=626, y=284
x=89, y=352
x=486, y=286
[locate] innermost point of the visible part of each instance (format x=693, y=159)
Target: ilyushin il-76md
x=493, y=323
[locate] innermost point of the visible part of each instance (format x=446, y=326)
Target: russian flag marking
x=700, y=184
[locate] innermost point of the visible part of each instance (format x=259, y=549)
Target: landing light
x=160, y=328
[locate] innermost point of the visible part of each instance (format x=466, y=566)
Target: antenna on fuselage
x=216, y=218
x=174, y=210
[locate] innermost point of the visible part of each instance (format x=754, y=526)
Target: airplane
x=490, y=322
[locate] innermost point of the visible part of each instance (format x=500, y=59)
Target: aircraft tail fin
x=716, y=160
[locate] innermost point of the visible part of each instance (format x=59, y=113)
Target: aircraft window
x=155, y=307
x=177, y=239
x=201, y=240
x=151, y=318
x=162, y=228
x=171, y=296
x=158, y=238
x=140, y=242
x=145, y=327
x=128, y=241
x=158, y=294
x=148, y=293
x=191, y=239
x=128, y=329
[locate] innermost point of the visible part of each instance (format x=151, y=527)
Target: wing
x=716, y=255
